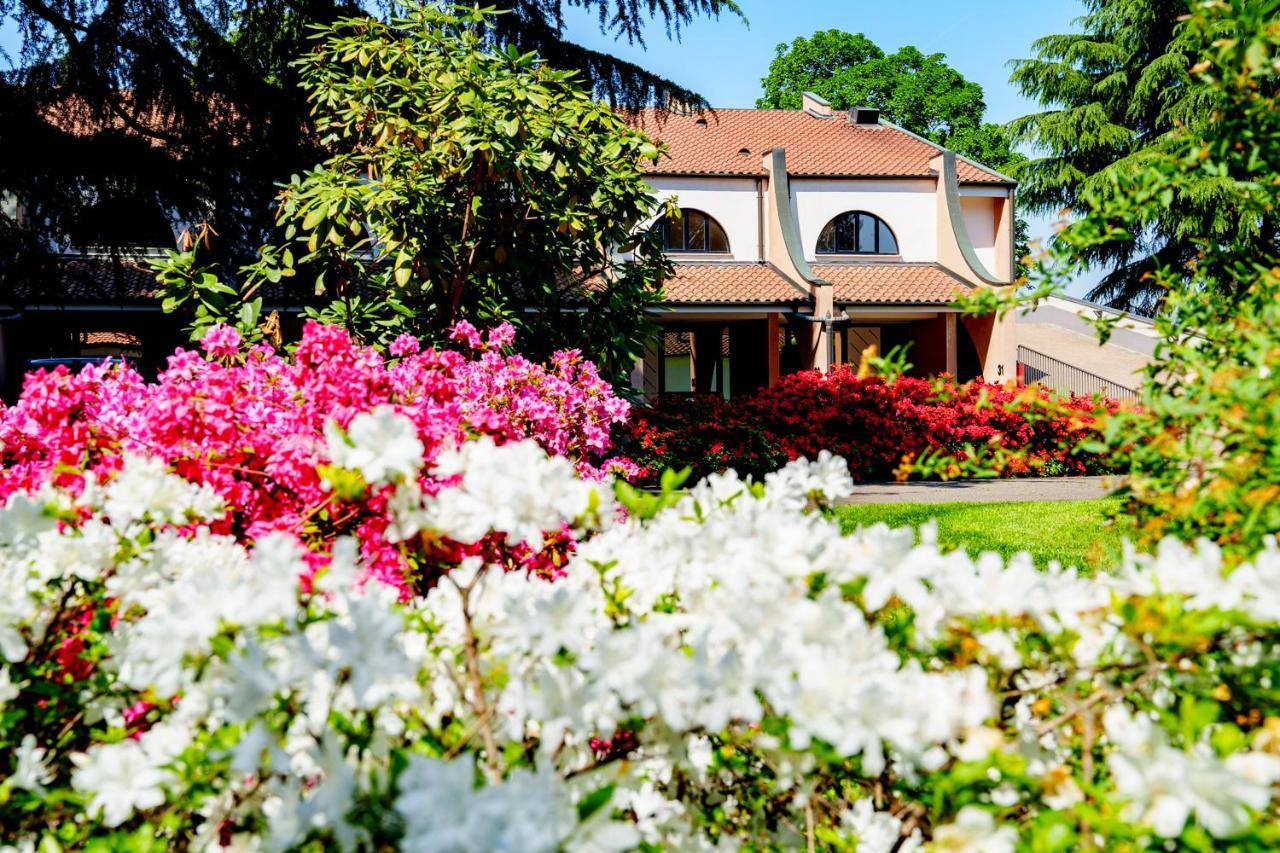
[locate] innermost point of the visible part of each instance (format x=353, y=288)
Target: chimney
x=815, y=105
x=868, y=116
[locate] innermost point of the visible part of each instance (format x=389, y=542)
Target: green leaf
x=596, y=800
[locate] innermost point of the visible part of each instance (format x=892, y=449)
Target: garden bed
x=874, y=424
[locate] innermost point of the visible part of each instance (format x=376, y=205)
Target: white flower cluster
x=381, y=444
x=721, y=617
x=531, y=812
x=515, y=489
x=739, y=612
x=1165, y=785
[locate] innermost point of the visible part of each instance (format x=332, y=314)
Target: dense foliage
x=250, y=426
x=1119, y=96
x=726, y=671
x=880, y=427
x=919, y=92
x=466, y=184
x=1201, y=447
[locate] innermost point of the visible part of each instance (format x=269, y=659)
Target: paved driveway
x=985, y=491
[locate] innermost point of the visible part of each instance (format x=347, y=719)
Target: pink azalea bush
x=250, y=423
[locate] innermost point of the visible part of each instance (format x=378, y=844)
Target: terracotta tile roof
x=124, y=339
x=879, y=283
x=756, y=283
x=96, y=280
x=712, y=144
x=86, y=280
x=150, y=121
x=679, y=343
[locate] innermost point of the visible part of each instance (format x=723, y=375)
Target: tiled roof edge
x=944, y=150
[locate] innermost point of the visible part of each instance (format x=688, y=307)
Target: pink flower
x=252, y=428
x=467, y=334
x=404, y=345
x=221, y=342
x=501, y=335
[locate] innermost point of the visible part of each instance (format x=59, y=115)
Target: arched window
x=693, y=231
x=857, y=233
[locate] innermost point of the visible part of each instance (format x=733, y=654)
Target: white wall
x=730, y=201
x=980, y=221
x=906, y=205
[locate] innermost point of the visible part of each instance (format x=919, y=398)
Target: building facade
x=806, y=236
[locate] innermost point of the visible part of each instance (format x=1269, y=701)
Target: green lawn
x=1073, y=532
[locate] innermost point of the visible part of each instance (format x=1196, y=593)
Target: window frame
x=708, y=223
x=855, y=219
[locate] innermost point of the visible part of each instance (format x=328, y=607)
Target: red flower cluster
x=872, y=423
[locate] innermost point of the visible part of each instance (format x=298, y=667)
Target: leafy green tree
x=467, y=184
x=918, y=92
x=1117, y=96
x=1199, y=447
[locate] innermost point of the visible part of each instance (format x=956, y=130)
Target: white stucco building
x=808, y=235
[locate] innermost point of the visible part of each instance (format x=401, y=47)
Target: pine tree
x=1113, y=94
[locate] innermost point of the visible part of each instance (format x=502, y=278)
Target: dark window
x=128, y=222
x=693, y=231
x=857, y=233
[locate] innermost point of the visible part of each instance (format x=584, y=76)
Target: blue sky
x=724, y=59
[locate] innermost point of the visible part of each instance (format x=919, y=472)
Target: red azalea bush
x=250, y=423
x=873, y=423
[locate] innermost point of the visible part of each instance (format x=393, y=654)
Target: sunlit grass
x=1076, y=533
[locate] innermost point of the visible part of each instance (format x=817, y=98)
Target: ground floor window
x=696, y=361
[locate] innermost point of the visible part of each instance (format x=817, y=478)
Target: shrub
x=1201, y=452
x=873, y=423
x=728, y=671
x=251, y=425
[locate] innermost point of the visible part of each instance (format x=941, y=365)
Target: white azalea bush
x=714, y=669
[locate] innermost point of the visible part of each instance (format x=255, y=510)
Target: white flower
x=515, y=489
x=974, y=831
x=18, y=609
x=121, y=778
x=144, y=488
x=23, y=518
x=32, y=771
x=1165, y=786
x=800, y=480
x=1001, y=647
x=383, y=445
x=877, y=832
x=367, y=642
x=443, y=810
x=9, y=689
x=190, y=590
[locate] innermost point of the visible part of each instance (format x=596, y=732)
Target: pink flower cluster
x=250, y=423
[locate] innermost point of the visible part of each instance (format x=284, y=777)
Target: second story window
x=857, y=233
x=693, y=231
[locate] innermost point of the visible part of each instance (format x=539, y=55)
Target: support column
x=772, y=347
x=650, y=367
x=953, y=360
x=823, y=333
x=706, y=344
